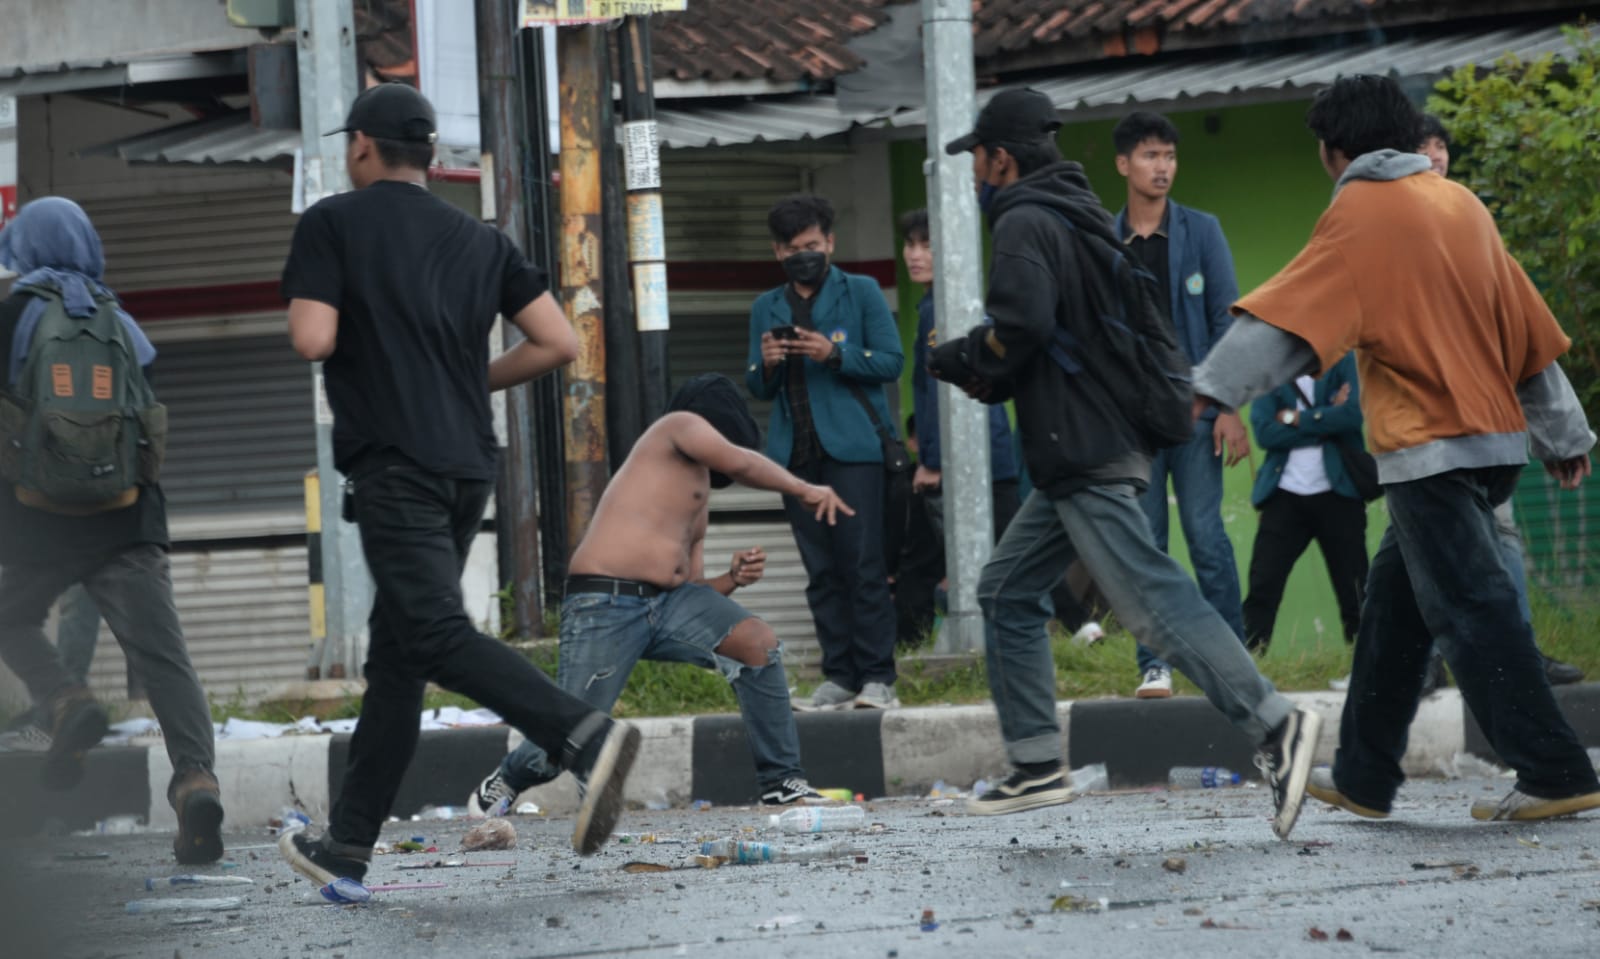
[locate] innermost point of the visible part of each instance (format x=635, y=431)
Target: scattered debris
x=1344, y=935
x=778, y=922
x=153, y=882
x=1465, y=765
x=1317, y=935
x=929, y=924
x=223, y=904
x=1175, y=864
x=1090, y=779
x=490, y=834
x=529, y=809
x=1070, y=903
x=81, y=856
x=649, y=866
x=1213, y=924
x=1451, y=864
x=402, y=886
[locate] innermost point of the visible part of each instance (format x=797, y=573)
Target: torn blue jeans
x=604, y=635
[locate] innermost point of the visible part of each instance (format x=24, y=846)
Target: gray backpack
x=80, y=428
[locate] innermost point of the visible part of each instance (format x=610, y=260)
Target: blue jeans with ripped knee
x=604, y=635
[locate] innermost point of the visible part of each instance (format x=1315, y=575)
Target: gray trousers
x=133, y=589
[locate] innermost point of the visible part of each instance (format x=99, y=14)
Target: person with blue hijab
x=118, y=555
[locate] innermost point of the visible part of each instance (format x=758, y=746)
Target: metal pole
x=327, y=69
x=624, y=406
x=582, y=270
x=647, y=252
x=958, y=304
x=500, y=118
x=548, y=392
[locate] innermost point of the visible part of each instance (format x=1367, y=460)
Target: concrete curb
x=902, y=752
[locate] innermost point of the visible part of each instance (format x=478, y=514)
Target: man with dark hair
x=396, y=291
x=1382, y=274
x=821, y=347
x=637, y=588
x=1051, y=279
x=1184, y=249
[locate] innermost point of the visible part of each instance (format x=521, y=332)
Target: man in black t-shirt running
x=396, y=291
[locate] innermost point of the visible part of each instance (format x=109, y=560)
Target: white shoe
x=1341, y=684
x=877, y=696
x=830, y=695
x=1157, y=684
x=492, y=798
x=1088, y=634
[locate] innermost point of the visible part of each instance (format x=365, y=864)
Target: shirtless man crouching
x=636, y=588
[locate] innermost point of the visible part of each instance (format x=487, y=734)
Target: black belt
x=607, y=584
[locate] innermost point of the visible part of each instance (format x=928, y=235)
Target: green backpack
x=80, y=429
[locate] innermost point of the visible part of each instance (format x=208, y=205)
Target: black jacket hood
x=1064, y=187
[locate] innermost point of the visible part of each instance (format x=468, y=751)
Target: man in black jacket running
x=1089, y=463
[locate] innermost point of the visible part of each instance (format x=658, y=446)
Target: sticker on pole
x=642, y=151
x=645, y=237
x=650, y=297
x=560, y=13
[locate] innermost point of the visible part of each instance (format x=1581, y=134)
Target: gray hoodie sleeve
x=1557, y=426
x=1252, y=359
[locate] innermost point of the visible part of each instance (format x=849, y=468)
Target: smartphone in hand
x=785, y=333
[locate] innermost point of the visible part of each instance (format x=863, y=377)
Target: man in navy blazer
x=822, y=346
x=1187, y=253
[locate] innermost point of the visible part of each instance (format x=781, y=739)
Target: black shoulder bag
x=897, y=469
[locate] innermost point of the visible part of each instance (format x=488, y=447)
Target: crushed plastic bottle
x=820, y=819
x=290, y=819
x=1202, y=777
x=343, y=890
x=744, y=853
x=440, y=812
x=142, y=906
x=1090, y=779
x=119, y=826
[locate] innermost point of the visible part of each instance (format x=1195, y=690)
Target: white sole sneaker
x=602, y=802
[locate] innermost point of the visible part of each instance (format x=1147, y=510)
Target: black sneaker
x=1285, y=764
x=604, y=777
x=1022, y=791
x=492, y=798
x=792, y=791
x=1559, y=673
x=311, y=859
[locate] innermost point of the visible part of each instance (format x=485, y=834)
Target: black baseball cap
x=1020, y=115
x=391, y=111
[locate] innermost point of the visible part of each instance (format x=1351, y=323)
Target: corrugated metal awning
x=1242, y=80
x=1172, y=83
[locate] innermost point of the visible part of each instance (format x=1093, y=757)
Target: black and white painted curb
x=876, y=753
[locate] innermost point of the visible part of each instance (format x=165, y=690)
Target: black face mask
x=807, y=268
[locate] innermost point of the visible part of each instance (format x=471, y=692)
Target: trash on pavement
x=457, y=864
x=287, y=819
x=1175, y=864
x=81, y=856
x=1465, y=765
x=645, y=867
x=141, y=906
x=778, y=922
x=160, y=882
x=837, y=795
x=700, y=805
x=440, y=812
x=401, y=886
x=490, y=834
x=119, y=826
x=743, y=852
x=1090, y=779
x=928, y=922
x=1071, y=903
x=529, y=809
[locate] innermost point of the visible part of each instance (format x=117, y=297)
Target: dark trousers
x=1439, y=577
x=1289, y=523
x=848, y=588
x=922, y=559
x=416, y=528
x=133, y=589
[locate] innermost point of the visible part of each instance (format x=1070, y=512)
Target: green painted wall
x=1259, y=174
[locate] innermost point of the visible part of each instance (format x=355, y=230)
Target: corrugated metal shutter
x=1561, y=530
x=242, y=431
x=715, y=208
x=780, y=597
x=244, y=615
x=211, y=238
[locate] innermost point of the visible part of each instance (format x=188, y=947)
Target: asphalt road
x=1129, y=874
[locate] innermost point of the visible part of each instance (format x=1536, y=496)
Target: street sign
x=544, y=13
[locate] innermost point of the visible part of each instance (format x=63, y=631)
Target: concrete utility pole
x=500, y=123
x=647, y=251
x=327, y=68
x=583, y=269
x=958, y=304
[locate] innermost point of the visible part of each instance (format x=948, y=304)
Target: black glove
x=948, y=362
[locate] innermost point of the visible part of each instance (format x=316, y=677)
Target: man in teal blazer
x=821, y=348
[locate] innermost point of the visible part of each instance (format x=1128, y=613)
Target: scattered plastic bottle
x=440, y=812
x=820, y=819
x=1201, y=777
x=1090, y=779
x=119, y=826
x=344, y=890
x=744, y=853
x=142, y=906
x=290, y=818
x=162, y=882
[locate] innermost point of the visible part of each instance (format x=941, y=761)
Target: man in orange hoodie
x=1457, y=357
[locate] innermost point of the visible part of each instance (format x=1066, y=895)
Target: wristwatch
x=1287, y=417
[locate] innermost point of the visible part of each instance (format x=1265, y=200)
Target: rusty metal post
x=500, y=119
x=647, y=253
x=583, y=269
